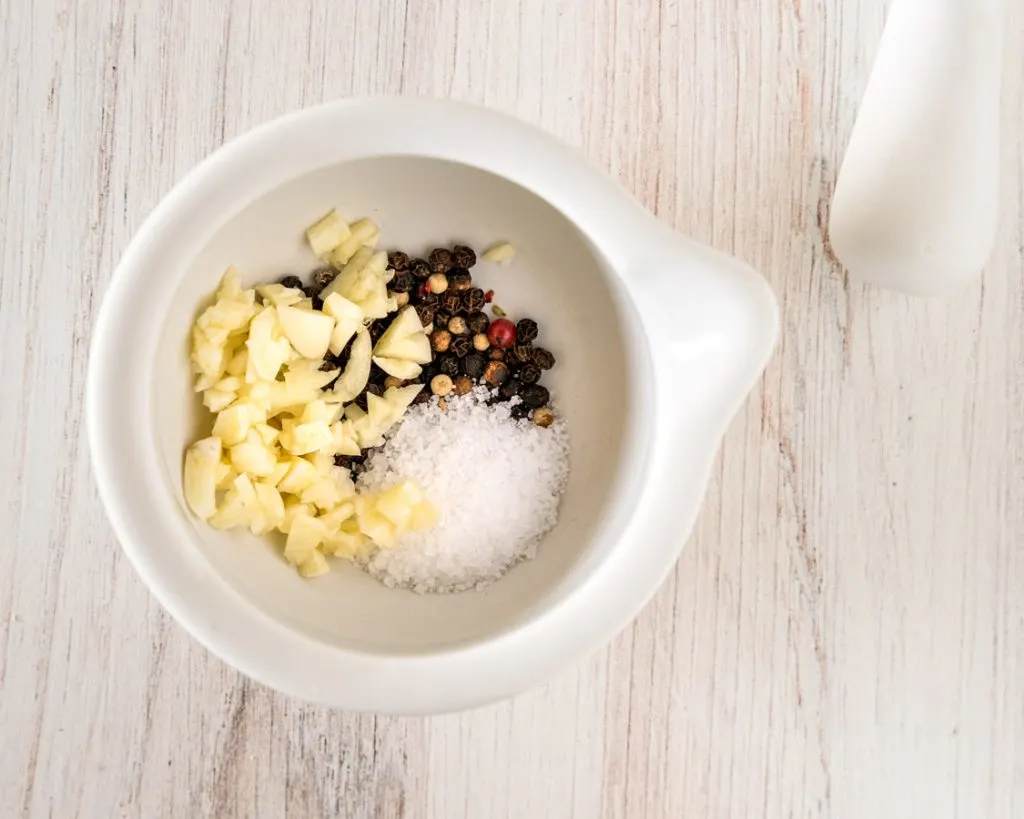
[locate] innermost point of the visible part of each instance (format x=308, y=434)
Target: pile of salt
x=495, y=480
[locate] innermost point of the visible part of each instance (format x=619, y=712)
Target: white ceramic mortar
x=658, y=339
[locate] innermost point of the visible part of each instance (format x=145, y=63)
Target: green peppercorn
x=497, y=354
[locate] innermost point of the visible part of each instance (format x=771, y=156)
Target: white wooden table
x=844, y=634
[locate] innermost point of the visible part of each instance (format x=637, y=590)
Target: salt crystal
x=495, y=480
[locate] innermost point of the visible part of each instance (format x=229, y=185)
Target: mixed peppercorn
x=468, y=346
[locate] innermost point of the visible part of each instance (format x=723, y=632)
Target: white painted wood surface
x=844, y=634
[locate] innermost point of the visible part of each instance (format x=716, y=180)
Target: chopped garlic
x=500, y=253
x=258, y=359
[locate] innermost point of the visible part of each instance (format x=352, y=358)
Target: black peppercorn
x=463, y=256
x=327, y=366
x=473, y=300
x=519, y=411
x=496, y=373
x=429, y=371
x=292, y=281
x=339, y=361
x=371, y=389
x=497, y=354
x=442, y=317
x=463, y=384
x=377, y=329
x=529, y=373
x=403, y=282
x=478, y=322
x=474, y=364
x=526, y=330
x=348, y=461
x=459, y=279
x=440, y=260
x=426, y=313
x=452, y=301
x=419, y=268
x=313, y=294
x=461, y=346
x=509, y=388
x=422, y=397
x=543, y=358
x=448, y=364
x=522, y=352
x=534, y=395
x=398, y=260
x=323, y=276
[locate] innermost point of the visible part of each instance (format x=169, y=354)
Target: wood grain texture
x=844, y=634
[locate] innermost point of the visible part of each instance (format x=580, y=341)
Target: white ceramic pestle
x=916, y=202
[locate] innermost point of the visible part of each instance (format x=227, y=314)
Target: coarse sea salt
x=495, y=480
